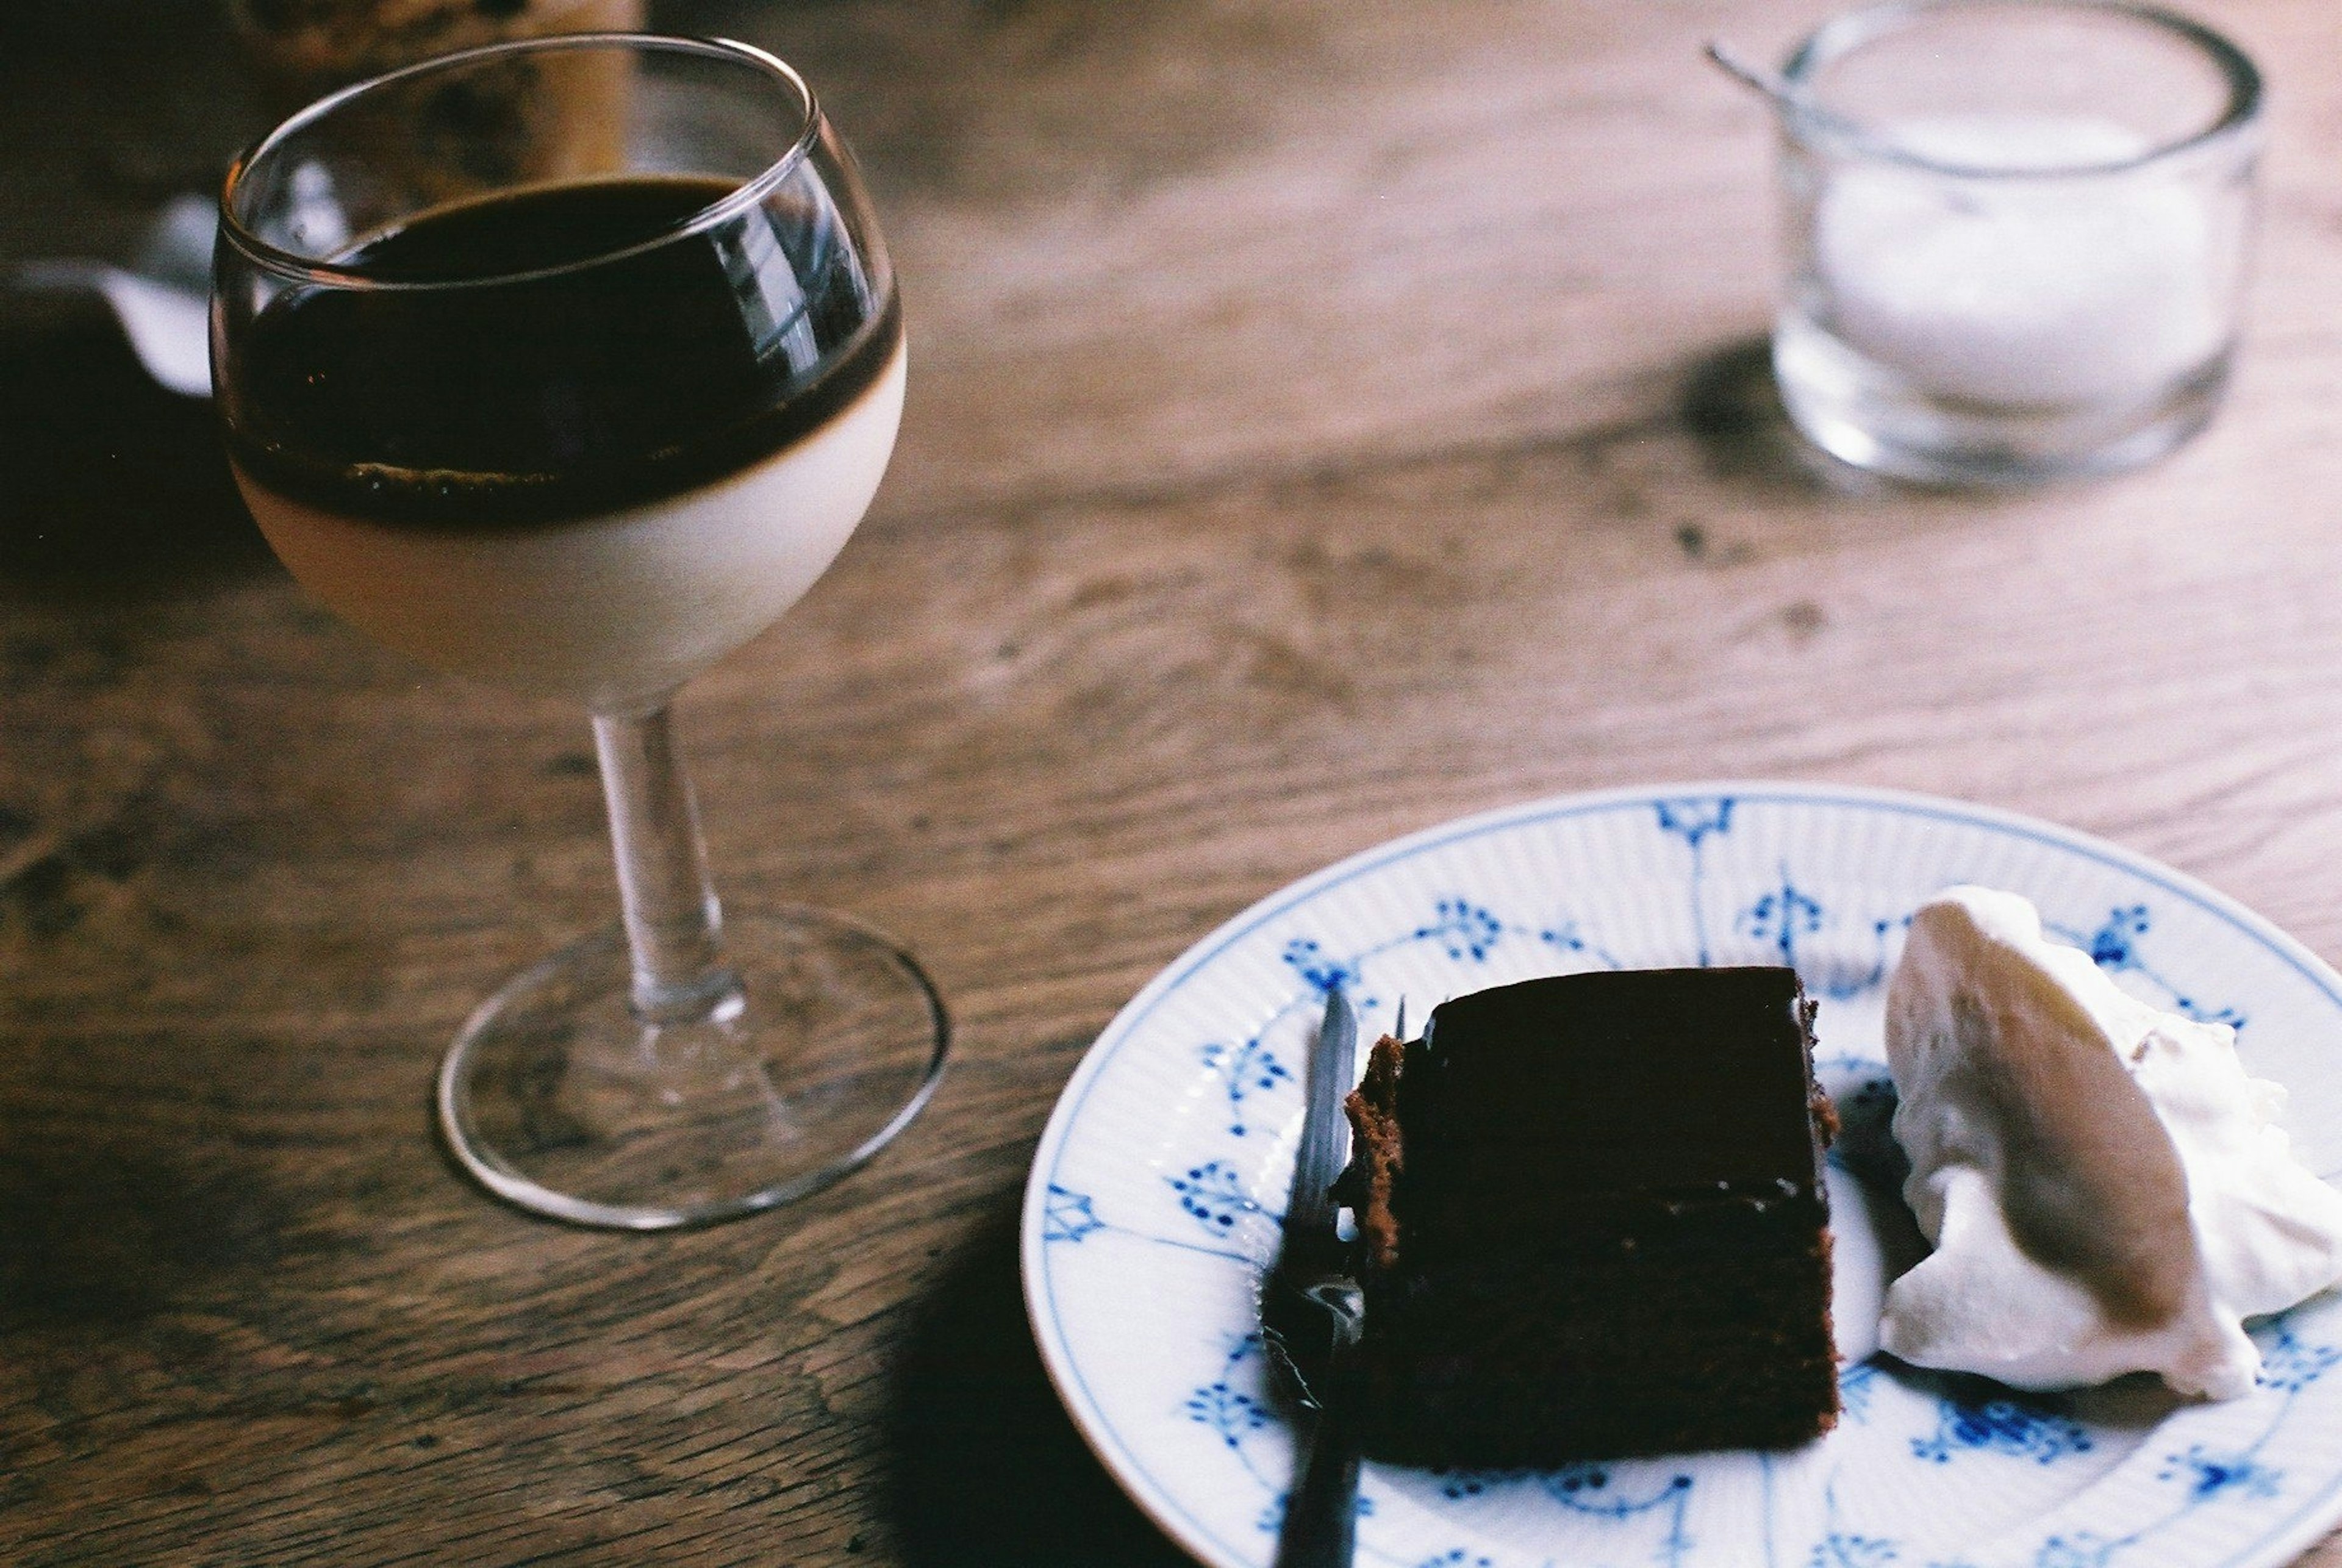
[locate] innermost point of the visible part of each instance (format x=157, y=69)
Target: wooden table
x=1327, y=419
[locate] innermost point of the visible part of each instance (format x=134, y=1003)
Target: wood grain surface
x=1328, y=418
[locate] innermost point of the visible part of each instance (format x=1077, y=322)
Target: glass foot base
x=557, y=1098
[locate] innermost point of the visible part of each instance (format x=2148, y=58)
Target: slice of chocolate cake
x=1592, y=1221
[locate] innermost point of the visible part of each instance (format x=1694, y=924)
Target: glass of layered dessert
x=580, y=419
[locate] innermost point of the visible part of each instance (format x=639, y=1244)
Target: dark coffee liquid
x=556, y=394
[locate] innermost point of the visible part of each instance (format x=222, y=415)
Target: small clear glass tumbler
x=2017, y=233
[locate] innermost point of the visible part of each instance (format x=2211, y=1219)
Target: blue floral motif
x=1246, y=1069
x=1845, y=980
x=1839, y=1550
x=1065, y=1215
x=1781, y=916
x=1787, y=912
x=1324, y=974
x=2287, y=1365
x=1579, y=1489
x=1214, y=1194
x=2083, y=1549
x=1456, y=1486
x=1583, y=1488
x=1692, y=821
x=1568, y=1482
x=1854, y=1391
x=2209, y=1474
x=1071, y=1217
x=1464, y=929
x=1566, y=935
x=2110, y=947
x=1457, y=1557
x=2000, y=1426
x=1586, y=1488
x=2114, y=948
x=1235, y=1415
x=2290, y=1365
x=1227, y=1410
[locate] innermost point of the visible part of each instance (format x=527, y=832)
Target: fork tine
x=1398, y=1024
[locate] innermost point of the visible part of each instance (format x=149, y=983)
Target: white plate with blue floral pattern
x=1153, y=1204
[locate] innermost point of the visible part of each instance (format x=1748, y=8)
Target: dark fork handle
x=1321, y=1514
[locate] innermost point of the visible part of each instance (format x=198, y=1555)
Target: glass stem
x=674, y=924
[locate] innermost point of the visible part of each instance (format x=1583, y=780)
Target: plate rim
x=2292, y=1537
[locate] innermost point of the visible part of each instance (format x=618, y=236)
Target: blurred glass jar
x=2018, y=232
x=548, y=119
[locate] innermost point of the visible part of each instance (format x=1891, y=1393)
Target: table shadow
x=104, y=1238
x=113, y=488
x=1732, y=408
x=989, y=1468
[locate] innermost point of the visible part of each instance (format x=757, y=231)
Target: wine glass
x=570, y=363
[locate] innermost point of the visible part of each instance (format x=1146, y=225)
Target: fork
x=1311, y=1316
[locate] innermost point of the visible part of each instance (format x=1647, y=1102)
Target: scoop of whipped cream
x=2105, y=1186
